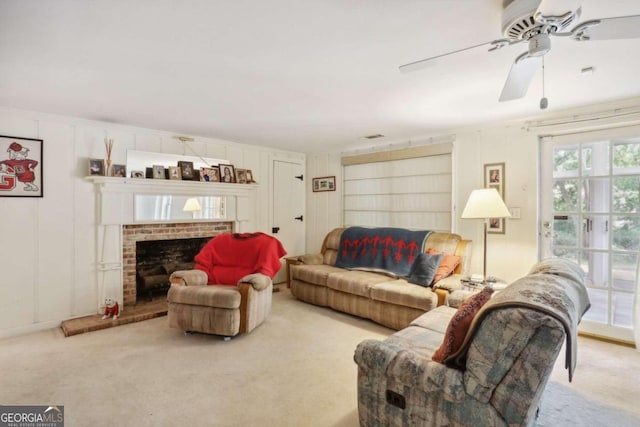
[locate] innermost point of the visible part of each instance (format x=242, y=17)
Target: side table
x=457, y=297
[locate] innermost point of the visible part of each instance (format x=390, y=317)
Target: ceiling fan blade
x=432, y=61
x=622, y=27
x=520, y=77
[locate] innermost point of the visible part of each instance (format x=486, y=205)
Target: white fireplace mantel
x=116, y=207
x=117, y=196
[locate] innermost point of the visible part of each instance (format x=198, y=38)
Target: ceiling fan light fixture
x=539, y=45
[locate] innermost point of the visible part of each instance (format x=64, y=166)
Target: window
x=407, y=188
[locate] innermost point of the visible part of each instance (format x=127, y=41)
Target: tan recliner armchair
x=219, y=297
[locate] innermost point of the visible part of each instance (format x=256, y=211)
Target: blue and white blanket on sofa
x=380, y=248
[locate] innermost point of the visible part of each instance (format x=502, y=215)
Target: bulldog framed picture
x=20, y=167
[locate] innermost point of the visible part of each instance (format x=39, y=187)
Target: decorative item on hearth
x=108, y=145
x=485, y=204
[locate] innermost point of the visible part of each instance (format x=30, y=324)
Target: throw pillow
x=424, y=269
x=447, y=265
x=460, y=323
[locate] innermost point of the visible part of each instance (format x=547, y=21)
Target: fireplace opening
x=157, y=259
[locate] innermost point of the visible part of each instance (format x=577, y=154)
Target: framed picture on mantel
x=227, y=173
x=186, y=170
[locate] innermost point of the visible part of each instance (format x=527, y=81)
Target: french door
x=590, y=213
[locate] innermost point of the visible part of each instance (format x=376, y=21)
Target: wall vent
x=376, y=136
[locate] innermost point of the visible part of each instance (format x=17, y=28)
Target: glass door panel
x=595, y=233
x=598, y=313
x=565, y=231
x=596, y=265
x=622, y=309
x=595, y=195
x=623, y=271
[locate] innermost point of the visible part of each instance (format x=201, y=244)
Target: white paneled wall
x=324, y=209
x=48, y=245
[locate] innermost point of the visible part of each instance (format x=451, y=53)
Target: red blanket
x=229, y=257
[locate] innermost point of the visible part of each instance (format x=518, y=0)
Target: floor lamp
x=484, y=204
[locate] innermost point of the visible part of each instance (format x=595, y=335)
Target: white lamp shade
x=192, y=205
x=485, y=203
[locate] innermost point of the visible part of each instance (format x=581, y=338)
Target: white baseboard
x=29, y=329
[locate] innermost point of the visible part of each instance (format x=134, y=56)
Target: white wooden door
x=590, y=213
x=288, y=209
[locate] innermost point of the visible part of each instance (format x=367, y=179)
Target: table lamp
x=485, y=204
x=192, y=205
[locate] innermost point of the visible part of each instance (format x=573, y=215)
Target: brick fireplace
x=149, y=232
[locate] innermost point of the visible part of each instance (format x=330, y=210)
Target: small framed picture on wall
x=494, y=178
x=20, y=167
x=324, y=183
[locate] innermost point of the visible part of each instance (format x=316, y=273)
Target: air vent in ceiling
x=376, y=136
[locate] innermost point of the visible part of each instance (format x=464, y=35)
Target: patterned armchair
x=496, y=377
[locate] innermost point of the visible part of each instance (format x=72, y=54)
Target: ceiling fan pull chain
x=544, y=102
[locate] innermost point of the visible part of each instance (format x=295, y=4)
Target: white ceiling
x=302, y=75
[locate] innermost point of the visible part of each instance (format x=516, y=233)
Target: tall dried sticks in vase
x=108, y=145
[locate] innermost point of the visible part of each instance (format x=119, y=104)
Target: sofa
x=496, y=375
x=369, y=292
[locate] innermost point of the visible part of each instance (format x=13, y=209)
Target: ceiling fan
x=534, y=22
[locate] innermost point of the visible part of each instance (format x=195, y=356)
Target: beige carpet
x=297, y=369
